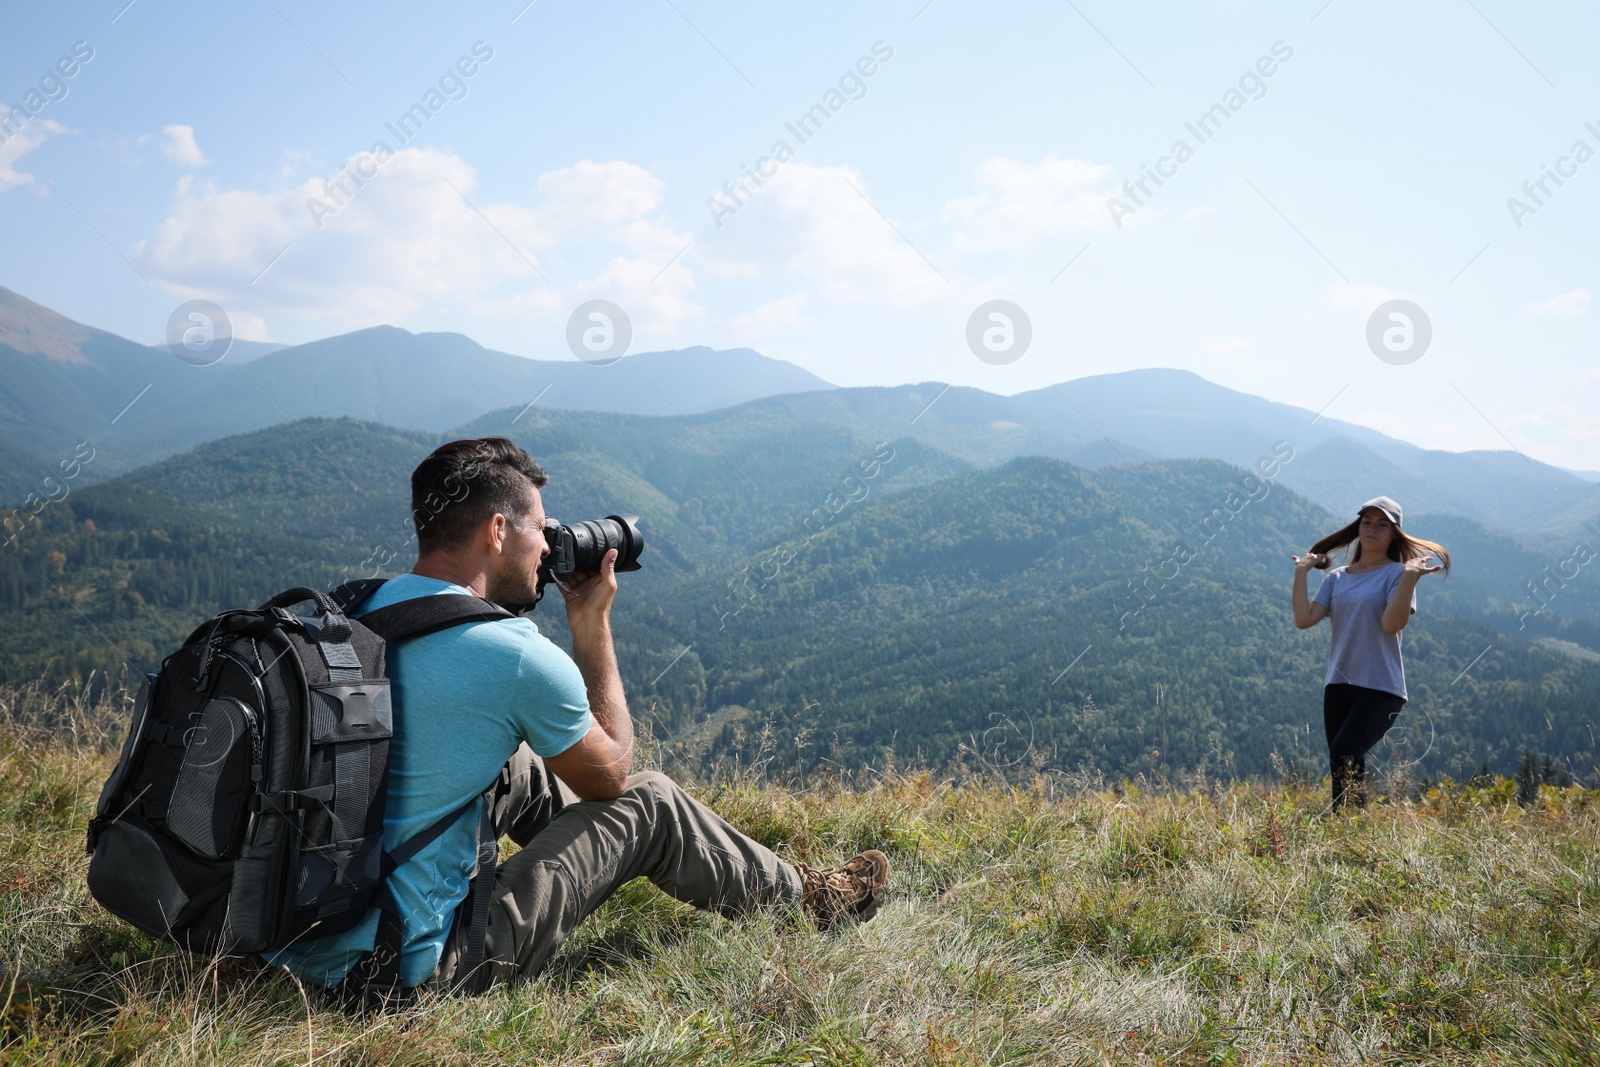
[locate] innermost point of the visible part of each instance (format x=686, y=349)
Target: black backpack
x=246, y=810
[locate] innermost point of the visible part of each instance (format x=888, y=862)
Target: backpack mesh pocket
x=211, y=796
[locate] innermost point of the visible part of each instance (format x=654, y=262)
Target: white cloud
x=1571, y=302
x=247, y=327
x=1563, y=419
x=405, y=247
x=1452, y=436
x=21, y=143
x=1233, y=346
x=1196, y=215
x=179, y=146
x=587, y=197
x=813, y=221
x=773, y=317
x=1557, y=433
x=1017, y=202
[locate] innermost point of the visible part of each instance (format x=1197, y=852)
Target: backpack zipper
x=254, y=726
x=253, y=721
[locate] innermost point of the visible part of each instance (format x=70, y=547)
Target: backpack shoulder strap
x=373, y=981
x=430, y=614
x=472, y=974
x=351, y=595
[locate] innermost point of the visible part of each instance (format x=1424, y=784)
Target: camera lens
x=592, y=539
x=582, y=546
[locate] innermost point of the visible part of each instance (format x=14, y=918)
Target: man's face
x=514, y=573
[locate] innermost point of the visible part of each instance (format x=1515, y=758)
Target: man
x=499, y=698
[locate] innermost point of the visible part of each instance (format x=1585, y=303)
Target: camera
x=580, y=547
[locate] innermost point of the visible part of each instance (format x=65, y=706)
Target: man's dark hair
x=461, y=485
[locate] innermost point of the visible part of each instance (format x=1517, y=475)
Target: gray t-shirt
x=1361, y=653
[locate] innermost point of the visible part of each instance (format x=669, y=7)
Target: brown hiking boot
x=856, y=888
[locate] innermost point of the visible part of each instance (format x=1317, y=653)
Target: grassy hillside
x=1036, y=920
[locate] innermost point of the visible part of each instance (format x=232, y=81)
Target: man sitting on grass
x=499, y=698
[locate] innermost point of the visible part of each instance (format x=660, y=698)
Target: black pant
x=1355, y=718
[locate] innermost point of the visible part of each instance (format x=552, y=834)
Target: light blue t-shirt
x=1361, y=653
x=464, y=699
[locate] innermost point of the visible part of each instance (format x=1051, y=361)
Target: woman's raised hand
x=1418, y=565
x=1306, y=562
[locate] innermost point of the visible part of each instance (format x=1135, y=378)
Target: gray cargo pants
x=577, y=853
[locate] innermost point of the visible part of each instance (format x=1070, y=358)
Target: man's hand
x=597, y=767
x=588, y=597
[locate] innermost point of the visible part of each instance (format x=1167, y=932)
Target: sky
x=488, y=168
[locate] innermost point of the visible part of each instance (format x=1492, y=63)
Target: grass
x=1033, y=922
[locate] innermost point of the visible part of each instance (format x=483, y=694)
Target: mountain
x=857, y=599
x=435, y=381
x=22, y=472
x=1150, y=414
x=241, y=351
x=61, y=378
x=61, y=382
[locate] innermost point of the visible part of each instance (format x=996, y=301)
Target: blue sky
x=975, y=162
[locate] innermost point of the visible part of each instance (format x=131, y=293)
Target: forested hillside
x=997, y=610
x=857, y=600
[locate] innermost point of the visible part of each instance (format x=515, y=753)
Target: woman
x=1370, y=600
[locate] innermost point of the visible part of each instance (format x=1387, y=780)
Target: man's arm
x=597, y=767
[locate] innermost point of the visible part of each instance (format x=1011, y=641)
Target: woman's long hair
x=1402, y=548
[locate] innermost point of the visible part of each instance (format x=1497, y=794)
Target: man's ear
x=497, y=533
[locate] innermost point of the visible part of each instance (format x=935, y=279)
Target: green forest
x=821, y=601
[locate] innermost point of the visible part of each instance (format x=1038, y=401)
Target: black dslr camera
x=581, y=547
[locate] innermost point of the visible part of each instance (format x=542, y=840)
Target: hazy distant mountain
x=245, y=351
x=434, y=381
x=61, y=382
x=1172, y=414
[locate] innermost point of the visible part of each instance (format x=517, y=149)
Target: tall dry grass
x=1040, y=921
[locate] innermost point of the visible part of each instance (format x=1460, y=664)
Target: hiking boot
x=857, y=887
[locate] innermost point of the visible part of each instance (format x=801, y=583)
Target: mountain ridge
x=149, y=405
